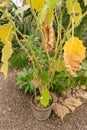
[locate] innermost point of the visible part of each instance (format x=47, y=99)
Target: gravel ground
x=15, y=113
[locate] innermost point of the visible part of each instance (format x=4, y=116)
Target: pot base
x=40, y=114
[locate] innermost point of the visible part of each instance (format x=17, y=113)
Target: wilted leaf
x=49, y=34
x=71, y=108
x=81, y=94
x=6, y=54
x=60, y=110
x=36, y=4
x=76, y=102
x=4, y=68
x=74, y=53
x=6, y=33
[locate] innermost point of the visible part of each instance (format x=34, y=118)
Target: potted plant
x=55, y=49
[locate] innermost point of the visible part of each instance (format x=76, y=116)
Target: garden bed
x=15, y=113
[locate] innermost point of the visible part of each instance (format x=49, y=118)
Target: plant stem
x=75, y=25
x=38, y=64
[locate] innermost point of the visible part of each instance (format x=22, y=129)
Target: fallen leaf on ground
x=73, y=102
x=71, y=108
x=83, y=87
x=81, y=94
x=60, y=110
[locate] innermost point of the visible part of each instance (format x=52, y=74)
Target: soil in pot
x=39, y=111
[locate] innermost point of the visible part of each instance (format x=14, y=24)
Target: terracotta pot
x=40, y=114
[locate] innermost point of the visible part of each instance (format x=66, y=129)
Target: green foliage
x=45, y=97
x=19, y=61
x=44, y=53
x=24, y=80
x=1, y=46
x=61, y=81
x=81, y=78
x=45, y=76
x=80, y=31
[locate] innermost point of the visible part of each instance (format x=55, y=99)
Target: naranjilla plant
x=54, y=51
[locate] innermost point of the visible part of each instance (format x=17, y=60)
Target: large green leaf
x=45, y=97
x=53, y=2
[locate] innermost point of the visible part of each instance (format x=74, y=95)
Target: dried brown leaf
x=81, y=94
x=73, y=101
x=49, y=34
x=60, y=110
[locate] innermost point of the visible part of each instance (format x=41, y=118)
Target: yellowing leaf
x=69, y=5
x=6, y=54
x=51, y=3
x=74, y=9
x=3, y=5
x=42, y=13
x=50, y=15
x=36, y=4
x=6, y=33
x=78, y=12
x=4, y=69
x=8, y=1
x=75, y=46
x=74, y=53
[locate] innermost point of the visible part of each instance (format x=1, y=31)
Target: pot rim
x=42, y=109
